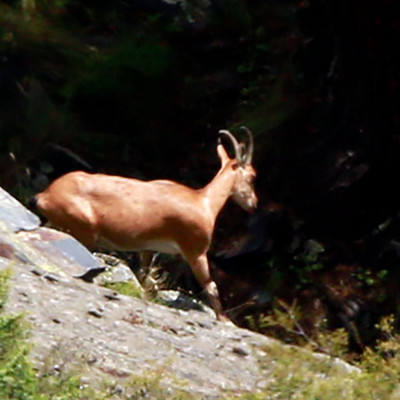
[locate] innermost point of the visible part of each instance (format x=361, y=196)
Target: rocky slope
x=80, y=325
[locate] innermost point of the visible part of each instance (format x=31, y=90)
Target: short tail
x=32, y=204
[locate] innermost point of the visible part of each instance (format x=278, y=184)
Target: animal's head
x=243, y=190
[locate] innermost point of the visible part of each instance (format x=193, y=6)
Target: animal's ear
x=223, y=155
x=235, y=164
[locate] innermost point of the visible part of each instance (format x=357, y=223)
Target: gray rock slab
x=60, y=252
x=14, y=215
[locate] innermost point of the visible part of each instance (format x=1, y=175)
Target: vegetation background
x=140, y=88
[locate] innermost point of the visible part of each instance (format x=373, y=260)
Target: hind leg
x=84, y=235
x=144, y=274
x=79, y=223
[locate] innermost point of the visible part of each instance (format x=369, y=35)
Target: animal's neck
x=217, y=192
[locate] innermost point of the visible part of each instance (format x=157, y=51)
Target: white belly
x=161, y=246
x=156, y=245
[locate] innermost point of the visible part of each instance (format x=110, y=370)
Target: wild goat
x=160, y=215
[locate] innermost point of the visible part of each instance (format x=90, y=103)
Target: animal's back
x=125, y=213
x=108, y=190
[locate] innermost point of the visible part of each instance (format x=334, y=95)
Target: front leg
x=201, y=271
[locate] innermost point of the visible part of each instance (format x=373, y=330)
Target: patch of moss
x=125, y=288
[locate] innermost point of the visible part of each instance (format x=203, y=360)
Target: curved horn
x=235, y=143
x=250, y=147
